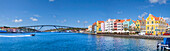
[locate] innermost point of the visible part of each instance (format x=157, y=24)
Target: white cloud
x=158, y=1
x=85, y=21
x=51, y=0
x=37, y=15
x=119, y=12
x=142, y=15
x=78, y=21
x=17, y=20
x=33, y=19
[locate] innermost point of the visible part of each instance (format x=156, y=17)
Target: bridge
x=39, y=27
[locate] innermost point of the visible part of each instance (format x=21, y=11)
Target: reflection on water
x=72, y=41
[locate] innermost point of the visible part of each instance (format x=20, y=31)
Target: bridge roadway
x=41, y=26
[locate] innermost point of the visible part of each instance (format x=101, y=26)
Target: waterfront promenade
x=132, y=36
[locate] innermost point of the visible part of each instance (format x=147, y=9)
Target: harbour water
x=72, y=42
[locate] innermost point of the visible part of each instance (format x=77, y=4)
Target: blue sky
x=76, y=13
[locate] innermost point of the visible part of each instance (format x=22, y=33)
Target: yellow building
x=98, y=26
x=138, y=22
x=155, y=25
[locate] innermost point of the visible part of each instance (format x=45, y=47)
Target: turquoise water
x=72, y=42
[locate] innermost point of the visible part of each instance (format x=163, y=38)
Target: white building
x=109, y=25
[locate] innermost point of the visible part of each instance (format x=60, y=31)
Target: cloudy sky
x=76, y=13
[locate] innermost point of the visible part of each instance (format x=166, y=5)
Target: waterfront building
x=127, y=23
x=94, y=28
x=155, y=25
x=129, y=26
x=103, y=27
x=89, y=28
x=118, y=26
x=138, y=25
x=143, y=24
x=109, y=25
x=98, y=27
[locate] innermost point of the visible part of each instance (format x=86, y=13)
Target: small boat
x=165, y=45
x=32, y=34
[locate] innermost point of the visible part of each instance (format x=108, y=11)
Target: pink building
x=103, y=27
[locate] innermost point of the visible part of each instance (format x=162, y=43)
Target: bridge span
x=39, y=27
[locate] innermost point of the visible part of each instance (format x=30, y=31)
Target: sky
x=77, y=13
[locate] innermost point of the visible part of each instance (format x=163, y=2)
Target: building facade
x=138, y=25
x=109, y=25
x=118, y=26
x=98, y=27
x=143, y=24
x=90, y=28
x=155, y=25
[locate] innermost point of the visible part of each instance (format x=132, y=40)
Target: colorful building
x=127, y=23
x=132, y=27
x=143, y=24
x=109, y=25
x=94, y=27
x=98, y=27
x=118, y=26
x=103, y=27
x=155, y=25
x=138, y=25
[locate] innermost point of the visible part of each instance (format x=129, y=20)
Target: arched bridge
x=41, y=26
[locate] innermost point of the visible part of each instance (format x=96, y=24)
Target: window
x=148, y=28
x=152, y=28
x=150, y=19
x=148, y=32
x=152, y=31
x=152, y=22
x=148, y=22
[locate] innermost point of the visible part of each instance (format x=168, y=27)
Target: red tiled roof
x=94, y=23
x=101, y=21
x=156, y=18
x=110, y=19
x=118, y=20
x=140, y=20
x=128, y=19
x=167, y=24
x=122, y=21
x=134, y=21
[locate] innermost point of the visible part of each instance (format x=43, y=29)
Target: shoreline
x=131, y=36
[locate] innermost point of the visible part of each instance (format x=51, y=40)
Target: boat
x=165, y=45
x=32, y=34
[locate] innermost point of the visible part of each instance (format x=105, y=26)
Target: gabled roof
x=128, y=19
x=140, y=20
x=111, y=19
x=122, y=21
x=94, y=23
x=156, y=18
x=134, y=21
x=100, y=21
x=167, y=24
x=118, y=20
